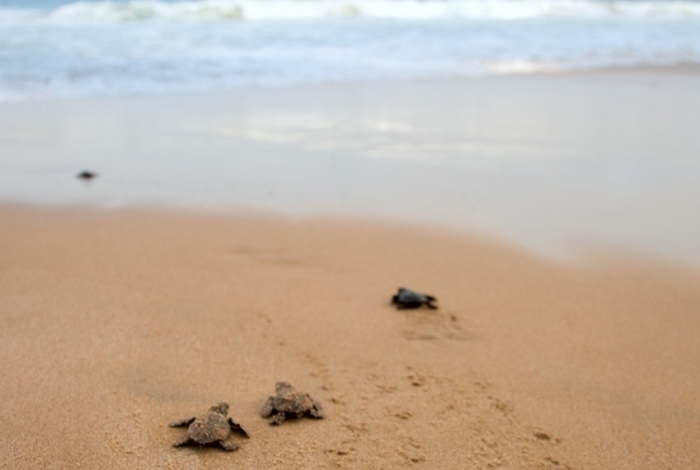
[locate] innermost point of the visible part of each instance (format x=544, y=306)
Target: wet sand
x=115, y=323
x=554, y=163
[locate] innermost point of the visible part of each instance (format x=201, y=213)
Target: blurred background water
x=58, y=48
x=546, y=161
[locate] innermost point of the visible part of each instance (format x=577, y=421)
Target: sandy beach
x=553, y=217
x=114, y=324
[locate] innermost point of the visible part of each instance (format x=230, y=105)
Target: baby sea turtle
x=288, y=403
x=210, y=429
x=86, y=175
x=406, y=298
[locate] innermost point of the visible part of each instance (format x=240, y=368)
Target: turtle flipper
x=235, y=427
x=277, y=418
x=229, y=446
x=317, y=410
x=267, y=408
x=182, y=422
x=184, y=442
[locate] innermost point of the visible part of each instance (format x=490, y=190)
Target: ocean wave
x=290, y=10
x=518, y=67
x=152, y=47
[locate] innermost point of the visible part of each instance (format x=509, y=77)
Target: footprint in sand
x=354, y=433
x=554, y=463
x=411, y=452
x=502, y=406
x=431, y=325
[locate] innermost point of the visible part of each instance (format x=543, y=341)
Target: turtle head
x=281, y=387
x=221, y=408
x=395, y=299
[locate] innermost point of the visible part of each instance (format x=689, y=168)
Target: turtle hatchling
x=213, y=428
x=86, y=175
x=288, y=403
x=406, y=298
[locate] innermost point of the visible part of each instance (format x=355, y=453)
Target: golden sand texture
x=114, y=324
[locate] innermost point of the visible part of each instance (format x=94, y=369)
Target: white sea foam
x=518, y=67
x=148, y=46
x=276, y=10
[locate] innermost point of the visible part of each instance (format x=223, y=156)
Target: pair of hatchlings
x=215, y=427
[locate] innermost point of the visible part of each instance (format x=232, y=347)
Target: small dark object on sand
x=210, y=429
x=288, y=403
x=406, y=298
x=86, y=175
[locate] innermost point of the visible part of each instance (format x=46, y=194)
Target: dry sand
x=113, y=324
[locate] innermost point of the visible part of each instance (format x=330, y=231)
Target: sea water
x=59, y=48
x=137, y=91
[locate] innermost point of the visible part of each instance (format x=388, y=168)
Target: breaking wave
x=275, y=10
x=54, y=48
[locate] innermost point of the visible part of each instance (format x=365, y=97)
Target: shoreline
x=589, y=255
x=115, y=323
x=559, y=164
x=687, y=69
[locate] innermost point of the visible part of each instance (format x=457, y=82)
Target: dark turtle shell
x=406, y=298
